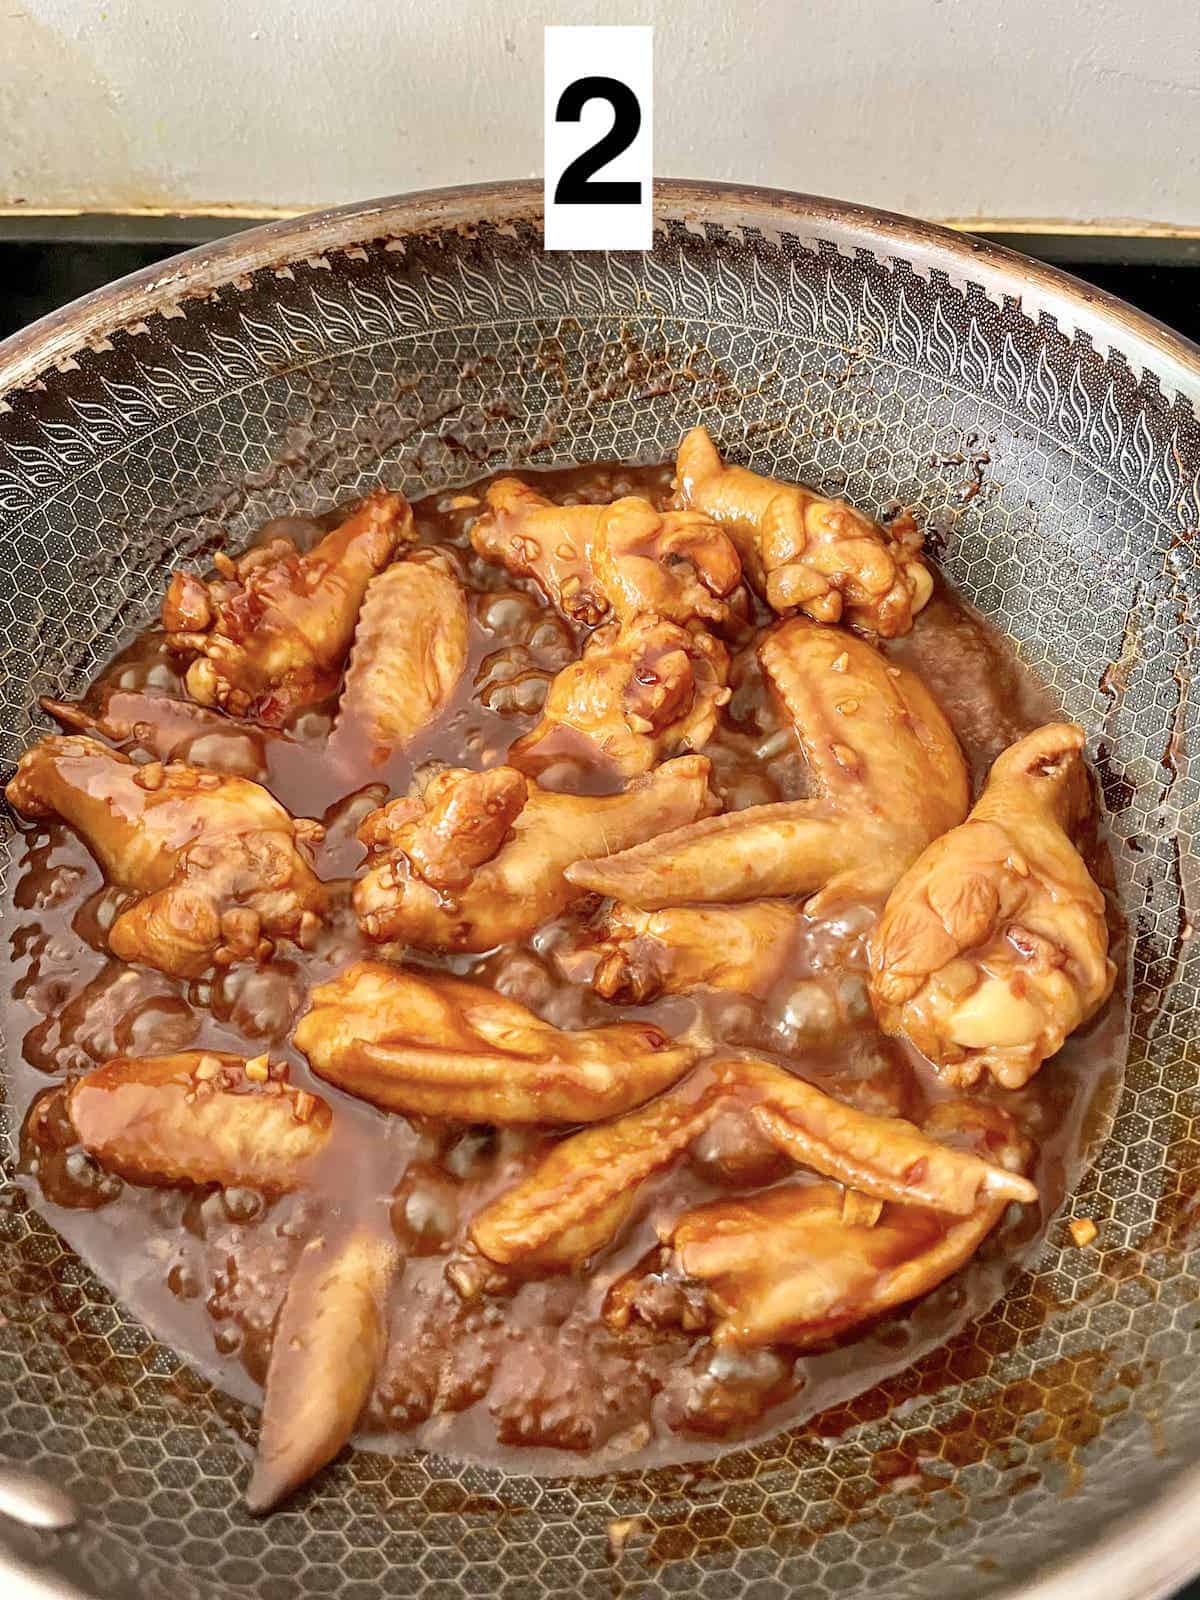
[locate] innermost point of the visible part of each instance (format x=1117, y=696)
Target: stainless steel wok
x=1049, y=438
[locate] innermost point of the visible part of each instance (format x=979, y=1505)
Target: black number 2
x=577, y=186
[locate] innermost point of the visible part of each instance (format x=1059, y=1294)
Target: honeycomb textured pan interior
x=1060, y=483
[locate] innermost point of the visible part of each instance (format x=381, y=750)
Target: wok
x=1048, y=438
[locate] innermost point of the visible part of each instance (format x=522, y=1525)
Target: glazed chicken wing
x=480, y=860
x=427, y=1044
x=269, y=634
x=802, y=549
x=410, y=650
x=198, y=1118
x=579, y=1196
x=576, y=1199
x=329, y=1341
x=884, y=1157
x=884, y=764
x=803, y=1263
x=622, y=558
x=635, y=956
x=215, y=859
x=993, y=947
x=641, y=691
x=785, y=1267
x=460, y=822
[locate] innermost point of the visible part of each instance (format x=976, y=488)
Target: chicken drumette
x=479, y=859
x=216, y=861
x=803, y=550
x=427, y=1044
x=993, y=947
x=887, y=773
x=269, y=634
x=641, y=691
x=410, y=650
x=622, y=558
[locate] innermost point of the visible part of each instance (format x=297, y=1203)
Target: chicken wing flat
x=802, y=1263
x=887, y=773
x=803, y=550
x=171, y=730
x=198, y=1118
x=216, y=860
x=590, y=560
x=427, y=1044
x=641, y=691
x=993, y=947
x=512, y=842
x=410, y=651
x=329, y=1342
x=638, y=955
x=579, y=1196
x=788, y=847
x=884, y=1157
x=269, y=634
x=864, y=723
x=784, y=1267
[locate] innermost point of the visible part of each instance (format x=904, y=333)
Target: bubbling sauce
x=535, y=1379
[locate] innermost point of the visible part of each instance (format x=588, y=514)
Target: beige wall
x=1075, y=109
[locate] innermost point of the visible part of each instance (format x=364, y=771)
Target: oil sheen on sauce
x=533, y=1380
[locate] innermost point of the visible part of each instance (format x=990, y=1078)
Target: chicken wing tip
x=1003, y=1185
x=1040, y=750
x=697, y=449
x=68, y=713
x=266, y=1488
x=689, y=766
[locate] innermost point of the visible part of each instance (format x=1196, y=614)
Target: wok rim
x=1151, y=1551
x=198, y=273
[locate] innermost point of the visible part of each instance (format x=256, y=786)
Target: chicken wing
x=269, y=634
x=993, y=947
x=215, y=860
x=580, y=1195
x=802, y=549
x=198, y=1118
x=329, y=1341
x=427, y=1044
x=512, y=843
x=887, y=772
x=637, y=955
x=642, y=690
x=410, y=650
x=457, y=825
x=622, y=558
x=784, y=1267
x=171, y=730
x=884, y=1157
x=802, y=1263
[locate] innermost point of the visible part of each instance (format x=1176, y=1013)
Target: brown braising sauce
x=532, y=1378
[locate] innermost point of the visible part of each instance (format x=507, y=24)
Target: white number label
x=599, y=138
